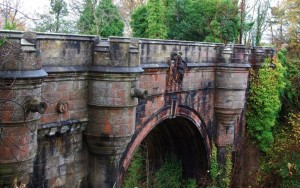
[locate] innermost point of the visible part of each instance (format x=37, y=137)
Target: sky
x=32, y=6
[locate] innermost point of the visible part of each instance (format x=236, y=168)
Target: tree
x=139, y=22
x=224, y=25
x=155, y=18
x=55, y=19
x=263, y=103
x=292, y=16
x=126, y=8
x=101, y=19
x=58, y=9
x=12, y=16
x=212, y=21
x=262, y=13
x=87, y=21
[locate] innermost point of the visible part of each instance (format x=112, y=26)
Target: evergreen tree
x=103, y=19
x=212, y=21
x=58, y=9
x=54, y=20
x=87, y=23
x=139, y=22
x=156, y=26
x=224, y=25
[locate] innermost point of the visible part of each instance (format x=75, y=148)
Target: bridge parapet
x=94, y=83
x=155, y=51
x=259, y=54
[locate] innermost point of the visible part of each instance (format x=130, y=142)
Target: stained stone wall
x=73, y=108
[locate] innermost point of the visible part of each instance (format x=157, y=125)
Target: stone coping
x=13, y=34
x=94, y=38
x=71, y=125
x=26, y=74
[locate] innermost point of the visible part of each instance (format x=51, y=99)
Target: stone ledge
x=119, y=70
x=72, y=125
x=23, y=74
x=63, y=69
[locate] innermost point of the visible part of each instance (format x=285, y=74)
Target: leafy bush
x=282, y=162
x=135, y=171
x=169, y=175
x=263, y=103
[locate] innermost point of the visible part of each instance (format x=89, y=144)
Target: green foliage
x=103, y=19
x=191, y=183
x=214, y=166
x=220, y=175
x=86, y=23
x=111, y=21
x=213, y=21
x=9, y=26
x=291, y=99
x=169, y=175
x=58, y=9
x=228, y=167
x=55, y=20
x=281, y=165
x=224, y=22
x=139, y=22
x=135, y=170
x=156, y=28
x=2, y=41
x=263, y=103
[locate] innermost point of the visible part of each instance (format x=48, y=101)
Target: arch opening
x=177, y=137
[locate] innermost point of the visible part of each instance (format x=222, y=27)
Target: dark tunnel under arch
x=180, y=137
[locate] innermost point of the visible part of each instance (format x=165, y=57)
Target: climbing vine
x=135, y=170
x=2, y=41
x=263, y=103
x=228, y=167
x=221, y=175
x=214, y=166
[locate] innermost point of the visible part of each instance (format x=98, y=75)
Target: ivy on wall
x=263, y=103
x=2, y=41
x=221, y=174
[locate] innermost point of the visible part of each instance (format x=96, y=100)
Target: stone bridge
x=74, y=108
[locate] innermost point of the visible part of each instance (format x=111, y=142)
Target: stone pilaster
x=113, y=88
x=231, y=83
x=20, y=107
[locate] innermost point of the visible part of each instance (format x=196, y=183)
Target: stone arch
x=184, y=113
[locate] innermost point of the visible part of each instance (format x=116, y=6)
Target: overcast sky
x=32, y=6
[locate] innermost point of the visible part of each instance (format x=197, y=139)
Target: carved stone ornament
x=34, y=105
x=177, y=69
x=62, y=106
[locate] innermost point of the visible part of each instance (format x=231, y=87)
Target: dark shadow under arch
x=187, y=132
x=180, y=137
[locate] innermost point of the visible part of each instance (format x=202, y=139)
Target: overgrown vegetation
x=278, y=134
x=213, y=21
x=263, y=103
x=221, y=175
x=281, y=165
x=2, y=41
x=100, y=19
x=168, y=175
x=214, y=166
